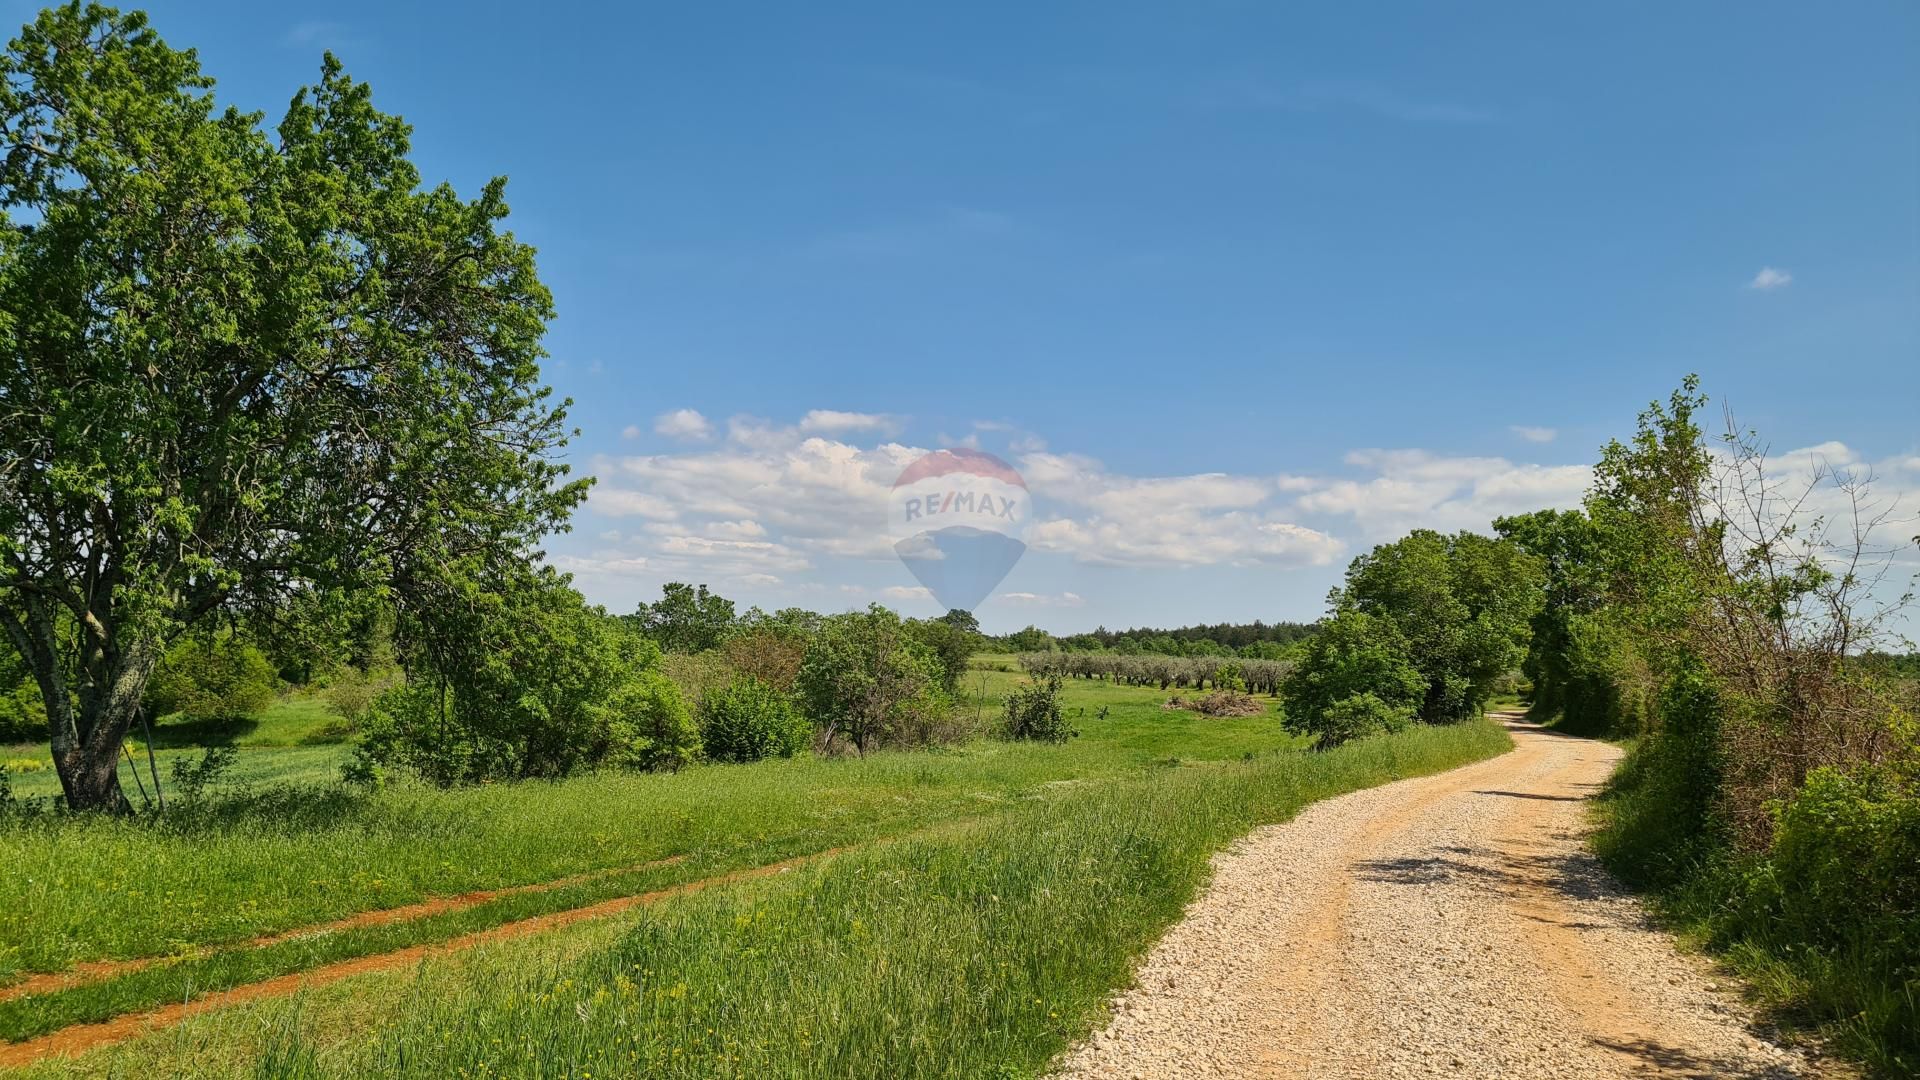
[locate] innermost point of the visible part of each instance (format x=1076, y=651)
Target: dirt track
x=1451, y=926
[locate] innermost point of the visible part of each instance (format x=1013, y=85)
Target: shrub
x=1354, y=653
x=191, y=779
x=749, y=720
x=211, y=679
x=1033, y=712
x=649, y=725
x=1358, y=717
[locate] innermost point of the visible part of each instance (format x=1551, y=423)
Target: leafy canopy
x=239, y=365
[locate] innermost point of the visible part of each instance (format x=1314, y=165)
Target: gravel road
x=1453, y=925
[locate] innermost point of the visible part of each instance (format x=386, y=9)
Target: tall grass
x=969, y=953
x=247, y=864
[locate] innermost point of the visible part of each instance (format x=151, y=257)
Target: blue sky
x=1241, y=288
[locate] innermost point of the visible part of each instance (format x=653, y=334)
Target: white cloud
x=1203, y=519
x=834, y=422
x=1769, y=278
x=907, y=592
x=1419, y=489
x=1534, y=434
x=684, y=424
x=631, y=431
x=1051, y=600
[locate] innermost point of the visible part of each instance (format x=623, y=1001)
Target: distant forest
x=1254, y=638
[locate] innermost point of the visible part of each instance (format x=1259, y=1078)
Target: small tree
x=951, y=646
x=867, y=680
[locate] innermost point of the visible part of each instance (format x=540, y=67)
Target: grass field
x=297, y=740
x=1027, y=881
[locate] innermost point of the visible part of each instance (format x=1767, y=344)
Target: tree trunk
x=90, y=772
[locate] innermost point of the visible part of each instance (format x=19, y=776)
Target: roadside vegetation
x=1727, y=616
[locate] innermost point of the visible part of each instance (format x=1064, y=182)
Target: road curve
x=1449, y=926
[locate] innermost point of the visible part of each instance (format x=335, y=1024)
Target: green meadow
x=1018, y=885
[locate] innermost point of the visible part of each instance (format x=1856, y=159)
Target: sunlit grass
x=970, y=951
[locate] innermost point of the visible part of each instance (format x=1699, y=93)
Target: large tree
x=239, y=365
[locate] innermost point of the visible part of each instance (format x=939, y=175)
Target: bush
x=1359, y=717
x=749, y=720
x=1354, y=654
x=191, y=779
x=212, y=679
x=1846, y=857
x=649, y=725
x=1033, y=712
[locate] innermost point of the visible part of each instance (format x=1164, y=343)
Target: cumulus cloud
x=1419, y=489
x=1106, y=518
x=684, y=424
x=1770, y=278
x=1534, y=434
x=907, y=592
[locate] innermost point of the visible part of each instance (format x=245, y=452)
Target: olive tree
x=238, y=364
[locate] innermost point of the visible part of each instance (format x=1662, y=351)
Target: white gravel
x=1453, y=925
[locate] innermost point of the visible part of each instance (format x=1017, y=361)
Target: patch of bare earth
x=1449, y=926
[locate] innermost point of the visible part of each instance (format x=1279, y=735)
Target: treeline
x=1254, y=640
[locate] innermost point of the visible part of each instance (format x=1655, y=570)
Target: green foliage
x=207, y=679
x=1033, y=712
x=648, y=725
x=23, y=715
x=1032, y=639
x=749, y=720
x=191, y=779
x=685, y=619
x=241, y=361
x=524, y=680
x=951, y=645
x=1846, y=868
x=867, y=679
x=1461, y=603
x=1358, y=717
x=1354, y=654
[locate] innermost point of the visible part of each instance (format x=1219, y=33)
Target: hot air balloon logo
x=958, y=519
